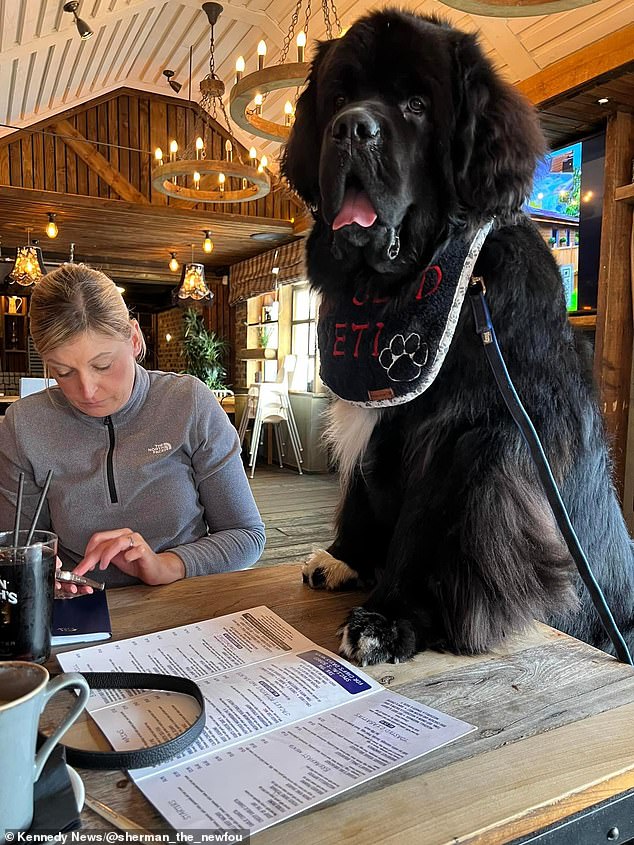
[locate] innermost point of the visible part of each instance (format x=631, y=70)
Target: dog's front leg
x=358, y=550
x=474, y=557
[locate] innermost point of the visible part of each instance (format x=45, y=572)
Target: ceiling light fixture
x=515, y=8
x=193, y=285
x=82, y=27
x=173, y=265
x=254, y=87
x=29, y=263
x=208, y=245
x=236, y=181
x=51, y=226
x=603, y=100
x=174, y=85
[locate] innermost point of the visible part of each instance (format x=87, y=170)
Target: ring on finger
x=131, y=541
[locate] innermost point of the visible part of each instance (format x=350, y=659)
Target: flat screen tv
x=566, y=204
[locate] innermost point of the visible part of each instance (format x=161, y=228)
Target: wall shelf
x=13, y=333
x=586, y=322
x=266, y=354
x=625, y=194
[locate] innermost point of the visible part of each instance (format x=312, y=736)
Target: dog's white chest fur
x=348, y=433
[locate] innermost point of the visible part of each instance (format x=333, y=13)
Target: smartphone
x=71, y=578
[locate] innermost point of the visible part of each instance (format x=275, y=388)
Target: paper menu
x=288, y=724
x=194, y=651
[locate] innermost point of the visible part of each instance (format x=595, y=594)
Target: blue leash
x=484, y=327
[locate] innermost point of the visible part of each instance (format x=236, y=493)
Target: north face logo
x=160, y=448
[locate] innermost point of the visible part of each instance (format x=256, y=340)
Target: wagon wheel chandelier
x=515, y=8
x=254, y=87
x=182, y=177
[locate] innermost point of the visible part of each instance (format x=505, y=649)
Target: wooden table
x=555, y=731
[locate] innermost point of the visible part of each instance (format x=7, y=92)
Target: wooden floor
x=298, y=511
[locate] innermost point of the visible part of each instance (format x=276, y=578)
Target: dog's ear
x=300, y=157
x=497, y=139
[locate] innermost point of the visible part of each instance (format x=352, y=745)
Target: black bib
x=380, y=351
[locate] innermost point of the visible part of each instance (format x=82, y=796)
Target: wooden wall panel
x=27, y=161
x=122, y=127
x=158, y=138
x=142, y=140
x=125, y=127
x=615, y=334
x=83, y=184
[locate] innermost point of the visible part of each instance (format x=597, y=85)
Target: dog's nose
x=355, y=124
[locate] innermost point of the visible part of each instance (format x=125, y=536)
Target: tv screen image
x=554, y=205
x=567, y=204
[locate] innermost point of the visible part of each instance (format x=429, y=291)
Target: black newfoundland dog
x=405, y=145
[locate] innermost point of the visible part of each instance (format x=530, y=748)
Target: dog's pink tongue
x=356, y=208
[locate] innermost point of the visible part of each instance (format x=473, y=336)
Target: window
x=304, y=337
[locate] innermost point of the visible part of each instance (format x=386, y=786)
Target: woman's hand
x=128, y=551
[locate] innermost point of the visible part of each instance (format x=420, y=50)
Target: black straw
x=40, y=503
x=18, y=510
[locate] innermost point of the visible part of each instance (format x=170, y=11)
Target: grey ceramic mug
x=25, y=688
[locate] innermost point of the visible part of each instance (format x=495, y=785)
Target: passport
x=85, y=619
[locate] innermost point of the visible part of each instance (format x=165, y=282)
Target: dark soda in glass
x=27, y=590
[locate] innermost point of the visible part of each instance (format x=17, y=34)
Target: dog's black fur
x=444, y=513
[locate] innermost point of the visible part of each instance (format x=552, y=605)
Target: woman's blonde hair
x=74, y=299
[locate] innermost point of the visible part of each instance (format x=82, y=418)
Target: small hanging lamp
x=193, y=285
x=29, y=264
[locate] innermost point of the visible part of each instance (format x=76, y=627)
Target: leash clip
x=481, y=315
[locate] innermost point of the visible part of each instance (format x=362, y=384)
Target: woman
x=148, y=484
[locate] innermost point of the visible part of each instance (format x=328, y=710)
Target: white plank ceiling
x=45, y=68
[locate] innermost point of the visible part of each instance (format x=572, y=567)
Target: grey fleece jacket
x=166, y=465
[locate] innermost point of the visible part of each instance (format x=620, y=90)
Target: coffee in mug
x=27, y=591
x=25, y=688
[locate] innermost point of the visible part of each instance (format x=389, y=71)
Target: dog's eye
x=339, y=102
x=416, y=105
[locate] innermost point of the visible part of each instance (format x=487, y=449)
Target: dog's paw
x=404, y=358
x=322, y=571
x=369, y=637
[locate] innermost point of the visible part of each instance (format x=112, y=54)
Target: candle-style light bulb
x=261, y=54
x=244, y=184
x=221, y=182
x=158, y=156
x=263, y=162
x=207, y=243
x=253, y=157
x=258, y=99
x=301, y=44
x=200, y=146
x=173, y=150
x=51, y=226
x=228, y=150
x=288, y=113
x=196, y=178
x=173, y=265
x=240, y=66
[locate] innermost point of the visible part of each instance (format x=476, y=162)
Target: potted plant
x=204, y=351
x=265, y=336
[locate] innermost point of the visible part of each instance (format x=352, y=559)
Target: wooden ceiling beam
x=114, y=230
x=100, y=165
x=581, y=69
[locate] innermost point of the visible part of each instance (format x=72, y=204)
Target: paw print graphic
x=404, y=358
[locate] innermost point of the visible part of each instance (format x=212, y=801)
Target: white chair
x=268, y=402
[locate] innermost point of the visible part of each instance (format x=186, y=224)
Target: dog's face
x=403, y=131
